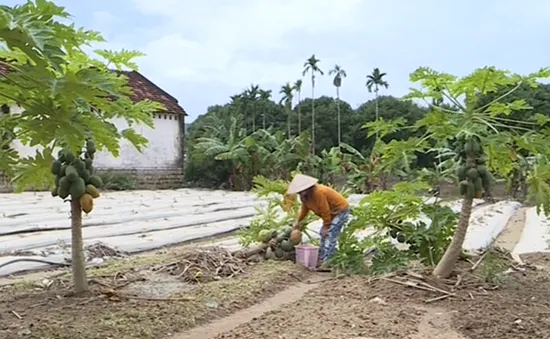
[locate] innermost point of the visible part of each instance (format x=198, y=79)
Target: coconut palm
x=265, y=95
x=298, y=90
x=339, y=74
x=252, y=95
x=375, y=80
x=287, y=92
x=312, y=65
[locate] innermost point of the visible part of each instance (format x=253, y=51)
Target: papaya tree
x=66, y=97
x=486, y=140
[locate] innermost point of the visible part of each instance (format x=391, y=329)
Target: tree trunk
x=263, y=120
x=288, y=121
x=253, y=119
x=376, y=111
x=445, y=267
x=312, y=114
x=78, y=264
x=338, y=108
x=299, y=116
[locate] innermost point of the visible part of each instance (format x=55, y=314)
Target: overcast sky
x=201, y=52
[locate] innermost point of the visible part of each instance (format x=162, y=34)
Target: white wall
x=162, y=151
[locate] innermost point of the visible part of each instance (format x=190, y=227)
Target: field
x=158, y=294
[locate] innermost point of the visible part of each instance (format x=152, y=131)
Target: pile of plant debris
x=205, y=265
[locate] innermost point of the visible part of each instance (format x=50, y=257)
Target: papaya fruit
x=71, y=173
x=393, y=233
x=279, y=253
x=269, y=255
x=481, y=160
x=479, y=194
x=63, y=171
x=470, y=190
x=468, y=147
x=56, y=167
x=78, y=188
x=463, y=187
x=92, y=190
x=64, y=187
x=86, y=203
x=264, y=236
x=286, y=231
x=90, y=147
x=286, y=245
x=89, y=162
x=69, y=156
x=274, y=234
x=88, y=156
x=478, y=184
x=487, y=181
x=295, y=237
x=61, y=156
x=56, y=180
x=461, y=172
x=473, y=174
x=84, y=174
x=96, y=181
x=482, y=170
x=55, y=192
x=79, y=165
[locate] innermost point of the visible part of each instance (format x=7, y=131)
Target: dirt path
x=289, y=295
x=511, y=234
x=436, y=323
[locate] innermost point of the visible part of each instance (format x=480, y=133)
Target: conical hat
x=300, y=183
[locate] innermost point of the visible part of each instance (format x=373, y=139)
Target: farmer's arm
x=303, y=213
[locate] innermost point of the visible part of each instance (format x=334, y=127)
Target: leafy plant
x=66, y=96
x=484, y=135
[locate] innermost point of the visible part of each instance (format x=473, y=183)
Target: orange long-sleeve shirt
x=325, y=202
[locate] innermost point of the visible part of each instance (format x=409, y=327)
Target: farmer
x=327, y=204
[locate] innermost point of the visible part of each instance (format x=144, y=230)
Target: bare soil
x=357, y=307
x=151, y=300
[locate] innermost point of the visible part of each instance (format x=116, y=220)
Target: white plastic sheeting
x=144, y=220
x=536, y=233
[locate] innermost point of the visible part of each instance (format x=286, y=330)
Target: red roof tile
x=143, y=89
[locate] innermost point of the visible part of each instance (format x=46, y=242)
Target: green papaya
x=85, y=174
x=64, y=186
x=61, y=156
x=96, y=181
x=286, y=246
x=78, y=188
x=473, y=174
x=279, y=253
x=470, y=191
x=63, y=171
x=482, y=170
x=264, y=236
x=71, y=173
x=481, y=160
x=90, y=147
x=55, y=192
x=478, y=184
x=89, y=162
x=469, y=147
x=88, y=156
x=69, y=156
x=78, y=164
x=461, y=171
x=476, y=148
x=463, y=187
x=287, y=230
x=401, y=238
x=56, y=167
x=56, y=180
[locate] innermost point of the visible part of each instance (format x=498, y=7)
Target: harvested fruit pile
x=74, y=176
x=281, y=243
x=204, y=265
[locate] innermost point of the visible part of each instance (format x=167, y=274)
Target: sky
x=202, y=52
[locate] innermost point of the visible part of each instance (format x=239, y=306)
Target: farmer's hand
x=296, y=225
x=324, y=232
